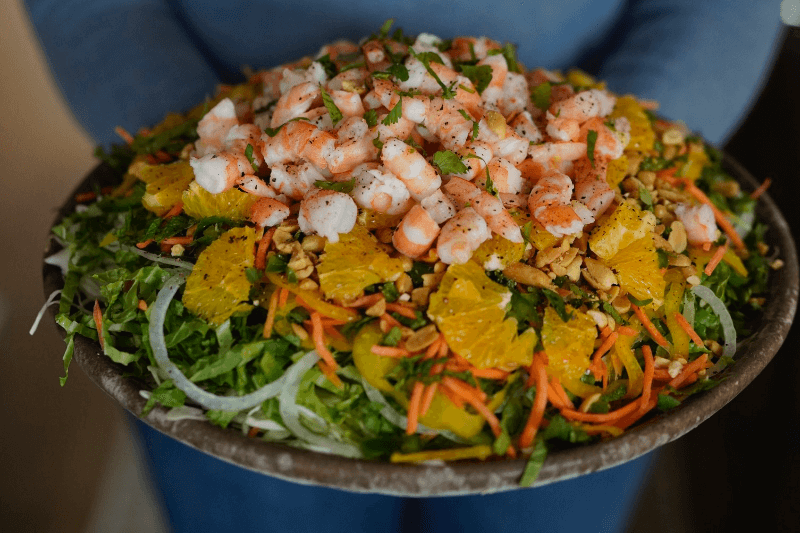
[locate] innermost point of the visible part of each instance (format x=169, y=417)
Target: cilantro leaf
x=591, y=140
x=399, y=71
x=479, y=75
x=449, y=162
x=385, y=27
x=338, y=186
x=333, y=111
x=371, y=116
x=272, y=132
x=394, y=115
x=248, y=153
x=540, y=95
x=557, y=302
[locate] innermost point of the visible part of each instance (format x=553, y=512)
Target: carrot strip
x=333, y=332
x=605, y=347
x=666, y=173
x=626, y=330
x=688, y=329
x=715, y=259
x=390, y=321
x=443, y=348
x=706, y=246
x=366, y=301
x=600, y=418
x=648, y=325
x=175, y=210
x=390, y=351
x=554, y=398
x=330, y=373
x=488, y=373
x=465, y=388
x=605, y=332
x=560, y=392
x=649, y=367
x=253, y=432
x=283, y=297
x=433, y=348
x=661, y=374
x=695, y=366
x=85, y=197
x=142, y=305
x=271, y=311
x=97, y=314
x=261, y=251
x=456, y=400
x=414, y=407
x=539, y=404
x=761, y=189
x=171, y=241
x=401, y=310
x=427, y=398
x=459, y=389
x=318, y=336
x=144, y=244
x=124, y=135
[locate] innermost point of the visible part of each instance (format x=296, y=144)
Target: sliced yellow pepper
x=672, y=305
x=372, y=366
x=314, y=300
x=624, y=351
x=481, y=452
x=701, y=258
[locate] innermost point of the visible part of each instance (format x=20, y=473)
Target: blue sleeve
x=704, y=60
x=120, y=62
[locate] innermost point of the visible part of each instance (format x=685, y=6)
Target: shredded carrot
x=560, y=392
x=761, y=189
x=462, y=389
x=688, y=329
x=488, y=373
x=327, y=322
x=688, y=369
x=389, y=351
x=605, y=332
x=273, y=308
x=430, y=352
x=454, y=398
x=85, y=197
x=715, y=259
x=319, y=341
x=390, y=322
x=283, y=297
x=554, y=398
x=539, y=404
x=333, y=332
x=626, y=330
x=330, y=373
x=253, y=432
x=443, y=348
x=427, y=398
x=144, y=244
x=661, y=374
x=401, y=310
x=706, y=246
x=648, y=325
x=601, y=418
x=174, y=211
x=261, y=251
x=465, y=387
x=366, y=301
x=414, y=407
x=605, y=347
x=97, y=314
x=649, y=367
x=124, y=135
x=142, y=305
x=666, y=173
x=171, y=241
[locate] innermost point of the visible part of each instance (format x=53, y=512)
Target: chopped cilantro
x=333, y=111
x=338, y=186
x=394, y=115
x=371, y=116
x=479, y=75
x=390, y=292
x=540, y=95
x=591, y=140
x=392, y=337
x=449, y=162
x=272, y=132
x=328, y=65
x=248, y=153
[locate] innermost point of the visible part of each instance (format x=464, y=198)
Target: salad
x=415, y=249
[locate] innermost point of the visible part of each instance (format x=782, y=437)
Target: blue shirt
x=128, y=62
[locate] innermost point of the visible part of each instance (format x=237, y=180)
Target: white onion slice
x=728, y=330
x=50, y=301
x=744, y=223
x=159, y=259
x=59, y=259
x=290, y=413
x=688, y=307
x=202, y=397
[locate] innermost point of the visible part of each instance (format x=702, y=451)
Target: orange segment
x=569, y=347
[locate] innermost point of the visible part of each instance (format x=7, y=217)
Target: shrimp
x=375, y=56
x=400, y=129
x=562, y=129
x=350, y=80
x=415, y=233
x=549, y=203
x=494, y=91
x=525, y=127
x=465, y=194
x=409, y=165
x=239, y=137
x=315, y=74
x=591, y=187
x=553, y=154
x=219, y=172
x=609, y=144
x=287, y=144
x=413, y=108
x=354, y=146
x=511, y=147
x=338, y=48
x=268, y=212
x=318, y=148
x=427, y=42
x=255, y=186
x=295, y=102
x=515, y=94
x=214, y=127
x=471, y=48
x=294, y=179
x=461, y=236
x=475, y=156
x=584, y=105
x=327, y=213
x=506, y=177
x=439, y=206
x=420, y=79
x=701, y=228
x=446, y=122
x=381, y=191
x=349, y=103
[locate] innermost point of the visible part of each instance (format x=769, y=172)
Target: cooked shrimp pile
x=369, y=127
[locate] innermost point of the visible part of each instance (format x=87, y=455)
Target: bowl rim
x=467, y=477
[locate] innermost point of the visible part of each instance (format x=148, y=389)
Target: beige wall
x=55, y=441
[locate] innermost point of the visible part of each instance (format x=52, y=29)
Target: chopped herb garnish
x=333, y=111
x=371, y=117
x=479, y=75
x=338, y=186
x=394, y=115
x=272, y=132
x=248, y=153
x=591, y=139
x=540, y=95
x=449, y=162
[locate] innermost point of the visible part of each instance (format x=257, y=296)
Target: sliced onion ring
x=158, y=259
x=202, y=397
x=290, y=414
x=725, y=320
